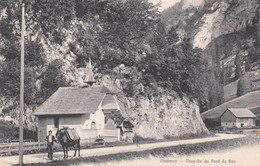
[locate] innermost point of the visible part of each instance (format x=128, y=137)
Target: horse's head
x=61, y=137
x=59, y=134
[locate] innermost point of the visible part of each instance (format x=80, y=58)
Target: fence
x=89, y=138
x=9, y=148
x=15, y=140
x=111, y=135
x=90, y=135
x=27, y=146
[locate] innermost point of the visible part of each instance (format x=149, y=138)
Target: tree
x=52, y=15
x=247, y=64
x=244, y=85
x=52, y=79
x=172, y=36
x=224, y=76
x=216, y=92
x=126, y=24
x=10, y=82
x=238, y=72
x=213, y=92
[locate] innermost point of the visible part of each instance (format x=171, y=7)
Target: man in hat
x=50, y=139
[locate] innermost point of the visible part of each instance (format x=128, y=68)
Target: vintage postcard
x=130, y=82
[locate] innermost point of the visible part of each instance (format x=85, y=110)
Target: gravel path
x=42, y=157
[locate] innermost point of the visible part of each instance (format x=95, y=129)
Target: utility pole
x=21, y=91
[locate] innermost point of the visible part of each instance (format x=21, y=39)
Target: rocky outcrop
x=209, y=20
x=224, y=17
x=164, y=117
x=161, y=116
x=192, y=3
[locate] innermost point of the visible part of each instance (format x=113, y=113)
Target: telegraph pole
x=21, y=91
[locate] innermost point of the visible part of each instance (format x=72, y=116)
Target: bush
x=139, y=139
x=212, y=123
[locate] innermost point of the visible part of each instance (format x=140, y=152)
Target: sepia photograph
x=129, y=82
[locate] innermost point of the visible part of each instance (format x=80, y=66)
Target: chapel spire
x=89, y=75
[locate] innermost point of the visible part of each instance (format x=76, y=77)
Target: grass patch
x=249, y=100
x=180, y=150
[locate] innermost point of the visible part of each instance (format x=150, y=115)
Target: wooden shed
x=237, y=118
x=126, y=131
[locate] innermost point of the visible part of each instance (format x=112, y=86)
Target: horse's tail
x=78, y=143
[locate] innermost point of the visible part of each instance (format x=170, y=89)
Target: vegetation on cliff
x=124, y=39
x=227, y=31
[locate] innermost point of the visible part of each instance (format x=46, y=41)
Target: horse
x=66, y=142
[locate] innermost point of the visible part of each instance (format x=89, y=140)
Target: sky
x=165, y=3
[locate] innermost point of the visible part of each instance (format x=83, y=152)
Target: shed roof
x=126, y=124
x=73, y=100
x=241, y=112
x=109, y=102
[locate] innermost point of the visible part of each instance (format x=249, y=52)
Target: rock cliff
x=223, y=29
x=161, y=116
x=165, y=117
x=210, y=20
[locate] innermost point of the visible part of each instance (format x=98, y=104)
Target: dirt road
x=245, y=156
x=36, y=158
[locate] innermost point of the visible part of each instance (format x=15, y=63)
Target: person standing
x=50, y=139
